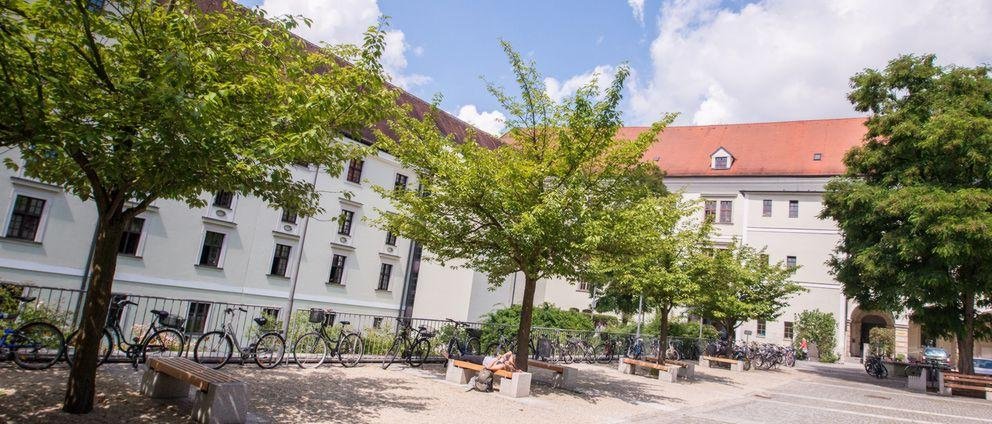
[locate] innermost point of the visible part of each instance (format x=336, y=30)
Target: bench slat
x=541, y=364
x=645, y=364
x=967, y=387
x=724, y=360
x=477, y=367
x=190, y=372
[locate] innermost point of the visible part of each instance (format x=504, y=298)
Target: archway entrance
x=860, y=325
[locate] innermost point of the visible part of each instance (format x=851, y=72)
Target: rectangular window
x=355, y=170
x=726, y=211
x=131, y=237
x=345, y=220
x=271, y=313
x=790, y=261
x=212, y=245
x=223, y=199
x=337, y=269
x=384, y=273
x=377, y=322
x=762, y=328
x=720, y=162
x=280, y=260
x=584, y=286
x=289, y=216
x=95, y=5
x=788, y=330
x=26, y=218
x=766, y=207
x=390, y=238
x=196, y=317
x=709, y=210
x=400, y=183
x=793, y=209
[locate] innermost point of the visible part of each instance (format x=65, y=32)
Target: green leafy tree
x=818, y=327
x=915, y=207
x=739, y=284
x=656, y=250
x=148, y=99
x=531, y=204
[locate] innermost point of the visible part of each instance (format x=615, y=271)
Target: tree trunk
x=663, y=333
x=81, y=388
x=526, y=316
x=731, y=327
x=966, y=341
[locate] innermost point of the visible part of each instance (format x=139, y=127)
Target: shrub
x=882, y=341
x=820, y=328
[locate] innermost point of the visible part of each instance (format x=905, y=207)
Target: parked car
x=983, y=366
x=936, y=355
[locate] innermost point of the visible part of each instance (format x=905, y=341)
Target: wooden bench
x=667, y=372
x=687, y=370
x=515, y=384
x=735, y=364
x=219, y=397
x=950, y=381
x=564, y=377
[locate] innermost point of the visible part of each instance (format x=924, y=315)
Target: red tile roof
x=759, y=149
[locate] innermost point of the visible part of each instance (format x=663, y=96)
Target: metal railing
x=61, y=307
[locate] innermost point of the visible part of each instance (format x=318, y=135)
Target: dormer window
x=817, y=156
x=721, y=159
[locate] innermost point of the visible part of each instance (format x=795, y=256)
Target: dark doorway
x=869, y=322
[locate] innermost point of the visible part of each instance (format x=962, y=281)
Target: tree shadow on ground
x=851, y=374
x=327, y=395
x=597, y=383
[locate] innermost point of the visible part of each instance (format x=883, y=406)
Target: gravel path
x=369, y=394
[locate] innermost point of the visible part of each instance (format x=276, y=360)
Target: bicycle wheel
x=599, y=354
x=37, y=345
x=392, y=353
x=213, y=349
x=163, y=343
x=269, y=350
x=473, y=346
x=351, y=348
x=881, y=371
x=106, y=346
x=419, y=352
x=310, y=350
x=453, y=350
x=672, y=354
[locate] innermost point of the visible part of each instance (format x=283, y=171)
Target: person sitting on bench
x=505, y=361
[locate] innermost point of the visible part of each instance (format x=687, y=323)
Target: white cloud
x=786, y=59
x=345, y=21
x=490, y=122
x=637, y=6
x=558, y=90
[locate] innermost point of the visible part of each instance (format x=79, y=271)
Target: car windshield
x=983, y=363
x=934, y=351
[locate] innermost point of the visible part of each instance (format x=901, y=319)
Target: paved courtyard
x=809, y=393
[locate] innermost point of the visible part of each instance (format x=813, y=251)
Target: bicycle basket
x=317, y=316
x=171, y=321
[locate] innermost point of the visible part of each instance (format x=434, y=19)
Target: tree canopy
x=915, y=207
x=530, y=205
x=124, y=102
x=737, y=284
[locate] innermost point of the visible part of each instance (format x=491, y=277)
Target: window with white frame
x=766, y=207
x=337, y=270
x=196, y=317
x=355, y=171
x=400, y=183
x=289, y=216
x=213, y=247
x=720, y=162
x=709, y=210
x=25, y=218
x=224, y=199
x=726, y=211
x=762, y=328
x=344, y=222
x=131, y=238
x=390, y=238
x=793, y=209
x=385, y=272
x=790, y=261
x=788, y=330
x=584, y=286
x=280, y=260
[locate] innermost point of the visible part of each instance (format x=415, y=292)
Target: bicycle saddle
x=26, y=299
x=261, y=320
x=159, y=313
x=423, y=328
x=344, y=322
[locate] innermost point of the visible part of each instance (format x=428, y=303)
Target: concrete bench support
x=218, y=398
x=736, y=365
x=918, y=383
x=667, y=373
x=511, y=385
x=516, y=387
x=458, y=375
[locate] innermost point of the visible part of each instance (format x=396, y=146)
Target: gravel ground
x=369, y=394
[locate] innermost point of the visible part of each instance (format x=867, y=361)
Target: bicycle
x=413, y=350
x=502, y=344
x=311, y=349
x=217, y=347
x=634, y=348
x=471, y=345
x=875, y=368
x=157, y=341
x=606, y=350
x=579, y=350
x=36, y=345
x=672, y=354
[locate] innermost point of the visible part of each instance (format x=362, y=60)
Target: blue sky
x=712, y=61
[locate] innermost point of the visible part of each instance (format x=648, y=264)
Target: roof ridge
x=740, y=124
